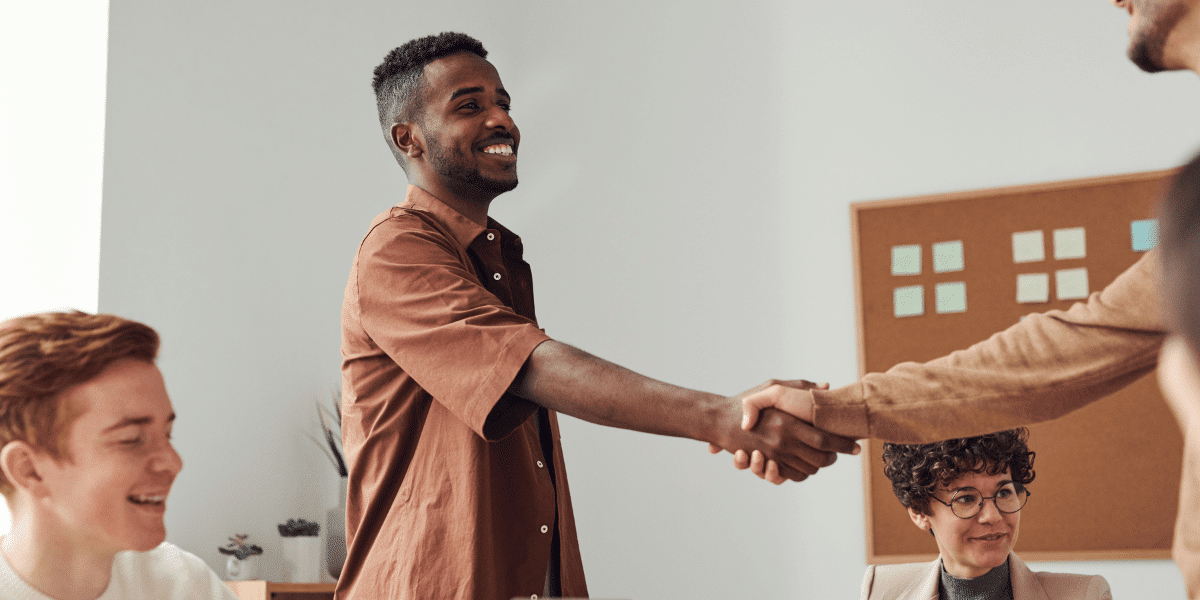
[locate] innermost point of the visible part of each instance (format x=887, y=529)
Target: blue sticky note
x=1144, y=234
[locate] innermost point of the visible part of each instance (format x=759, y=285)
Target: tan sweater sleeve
x=1040, y=368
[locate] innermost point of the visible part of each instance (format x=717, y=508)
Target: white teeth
x=148, y=499
x=501, y=149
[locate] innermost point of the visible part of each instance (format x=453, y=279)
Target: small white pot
x=302, y=559
x=241, y=570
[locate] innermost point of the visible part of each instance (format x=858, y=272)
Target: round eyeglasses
x=968, y=501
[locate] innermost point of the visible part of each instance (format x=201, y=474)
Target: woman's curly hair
x=916, y=470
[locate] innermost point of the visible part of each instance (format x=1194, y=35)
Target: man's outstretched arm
x=573, y=382
x=1039, y=369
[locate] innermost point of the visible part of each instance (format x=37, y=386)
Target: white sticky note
x=909, y=301
x=1069, y=243
x=906, y=260
x=1029, y=246
x=948, y=256
x=951, y=297
x=1071, y=284
x=1033, y=288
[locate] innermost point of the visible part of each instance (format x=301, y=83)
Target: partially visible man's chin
x=504, y=186
x=147, y=544
x=479, y=181
x=1146, y=58
x=496, y=186
x=1148, y=39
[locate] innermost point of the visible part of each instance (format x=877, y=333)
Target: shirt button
x=492, y=236
x=496, y=277
x=545, y=529
x=539, y=464
x=533, y=597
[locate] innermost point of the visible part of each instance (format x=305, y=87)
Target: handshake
x=777, y=440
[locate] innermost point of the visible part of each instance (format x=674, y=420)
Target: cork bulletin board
x=938, y=273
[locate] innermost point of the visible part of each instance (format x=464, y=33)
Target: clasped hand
x=780, y=443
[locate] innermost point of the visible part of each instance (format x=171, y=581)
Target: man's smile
x=148, y=499
x=500, y=144
x=501, y=149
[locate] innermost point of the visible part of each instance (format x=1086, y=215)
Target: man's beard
x=1148, y=46
x=454, y=167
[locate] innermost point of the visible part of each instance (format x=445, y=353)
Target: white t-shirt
x=164, y=573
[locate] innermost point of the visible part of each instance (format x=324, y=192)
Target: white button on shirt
x=540, y=464
x=496, y=277
x=545, y=529
x=491, y=236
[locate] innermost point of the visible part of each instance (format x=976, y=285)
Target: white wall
x=52, y=60
x=686, y=170
x=52, y=65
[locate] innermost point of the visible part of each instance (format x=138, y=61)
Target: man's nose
x=500, y=119
x=167, y=460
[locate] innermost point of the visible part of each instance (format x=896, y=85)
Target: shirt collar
x=463, y=229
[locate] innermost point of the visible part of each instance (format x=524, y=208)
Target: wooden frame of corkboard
x=1107, y=481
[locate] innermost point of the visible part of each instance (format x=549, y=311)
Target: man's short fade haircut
x=398, y=80
x=917, y=470
x=1180, y=217
x=43, y=355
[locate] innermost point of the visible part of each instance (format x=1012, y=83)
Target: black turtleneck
x=993, y=585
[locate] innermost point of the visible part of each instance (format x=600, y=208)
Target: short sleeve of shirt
x=423, y=304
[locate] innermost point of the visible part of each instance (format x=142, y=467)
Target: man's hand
x=787, y=448
x=784, y=395
x=770, y=394
x=568, y=380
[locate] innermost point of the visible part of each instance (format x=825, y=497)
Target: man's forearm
x=573, y=382
x=568, y=380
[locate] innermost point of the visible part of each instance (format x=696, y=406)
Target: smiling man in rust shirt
x=457, y=485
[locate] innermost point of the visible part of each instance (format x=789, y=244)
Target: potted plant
x=243, y=557
x=331, y=430
x=301, y=551
x=330, y=418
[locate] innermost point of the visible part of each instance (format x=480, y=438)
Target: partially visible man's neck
x=1194, y=63
x=1185, y=36
x=477, y=213
x=54, y=565
x=472, y=207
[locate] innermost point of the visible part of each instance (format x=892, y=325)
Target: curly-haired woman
x=968, y=493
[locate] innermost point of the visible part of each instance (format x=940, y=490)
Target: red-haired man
x=86, y=464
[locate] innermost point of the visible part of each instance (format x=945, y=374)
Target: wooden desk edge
x=262, y=590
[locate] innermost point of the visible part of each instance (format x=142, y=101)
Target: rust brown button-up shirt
x=437, y=321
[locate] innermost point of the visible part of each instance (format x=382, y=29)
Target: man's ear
x=19, y=462
x=919, y=518
x=406, y=139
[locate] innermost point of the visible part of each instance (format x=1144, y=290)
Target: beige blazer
x=919, y=581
